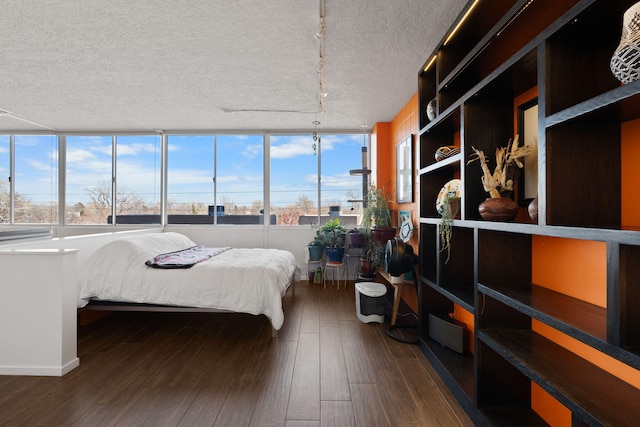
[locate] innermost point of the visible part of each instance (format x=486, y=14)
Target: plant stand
x=335, y=268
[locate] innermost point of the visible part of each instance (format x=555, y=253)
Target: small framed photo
x=404, y=171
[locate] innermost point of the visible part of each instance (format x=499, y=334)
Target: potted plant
x=376, y=216
x=356, y=237
x=499, y=184
x=334, y=237
x=316, y=247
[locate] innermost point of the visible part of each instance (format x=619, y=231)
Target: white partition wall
x=38, y=334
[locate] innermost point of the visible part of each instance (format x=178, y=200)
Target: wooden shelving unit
x=561, y=50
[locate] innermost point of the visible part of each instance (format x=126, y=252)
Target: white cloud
x=296, y=146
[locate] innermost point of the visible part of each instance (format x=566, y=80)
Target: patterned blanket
x=184, y=258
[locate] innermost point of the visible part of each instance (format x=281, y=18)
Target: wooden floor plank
x=336, y=414
x=369, y=406
x=304, y=399
x=334, y=380
x=433, y=406
x=274, y=383
x=325, y=368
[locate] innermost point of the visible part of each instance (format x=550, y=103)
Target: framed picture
x=528, y=132
x=404, y=171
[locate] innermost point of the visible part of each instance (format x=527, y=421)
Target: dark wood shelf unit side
x=629, y=298
x=456, y=274
x=523, y=24
x=580, y=192
x=504, y=257
x=430, y=185
x=440, y=134
x=470, y=37
x=592, y=394
x=577, y=59
x=563, y=48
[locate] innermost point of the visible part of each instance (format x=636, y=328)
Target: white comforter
x=241, y=280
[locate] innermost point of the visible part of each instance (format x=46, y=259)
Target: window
x=294, y=179
x=138, y=179
x=88, y=179
x=210, y=178
x=36, y=179
x=215, y=178
x=342, y=192
x=190, y=161
x=89, y=186
x=240, y=177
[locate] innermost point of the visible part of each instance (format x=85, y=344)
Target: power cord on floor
x=396, y=326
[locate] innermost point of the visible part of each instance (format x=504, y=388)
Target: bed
x=241, y=280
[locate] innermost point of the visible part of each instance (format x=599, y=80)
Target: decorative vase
x=625, y=62
x=431, y=109
x=533, y=210
x=498, y=209
x=335, y=254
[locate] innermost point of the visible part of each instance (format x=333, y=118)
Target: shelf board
x=581, y=320
x=565, y=313
x=459, y=295
x=449, y=161
x=591, y=393
x=623, y=101
x=626, y=236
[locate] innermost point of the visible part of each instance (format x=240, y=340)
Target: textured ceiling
x=211, y=65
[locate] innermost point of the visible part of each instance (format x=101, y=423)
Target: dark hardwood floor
x=325, y=368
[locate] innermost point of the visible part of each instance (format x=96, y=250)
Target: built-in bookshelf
x=567, y=327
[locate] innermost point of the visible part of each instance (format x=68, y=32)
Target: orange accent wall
x=549, y=408
x=630, y=174
x=464, y=316
x=384, y=139
x=576, y=268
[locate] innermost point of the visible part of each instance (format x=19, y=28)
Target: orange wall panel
x=385, y=136
x=576, y=268
x=550, y=409
x=630, y=145
x=464, y=316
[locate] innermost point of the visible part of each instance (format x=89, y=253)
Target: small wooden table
x=397, y=283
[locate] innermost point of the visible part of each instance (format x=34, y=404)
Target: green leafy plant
x=318, y=240
x=449, y=211
x=377, y=212
x=333, y=234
